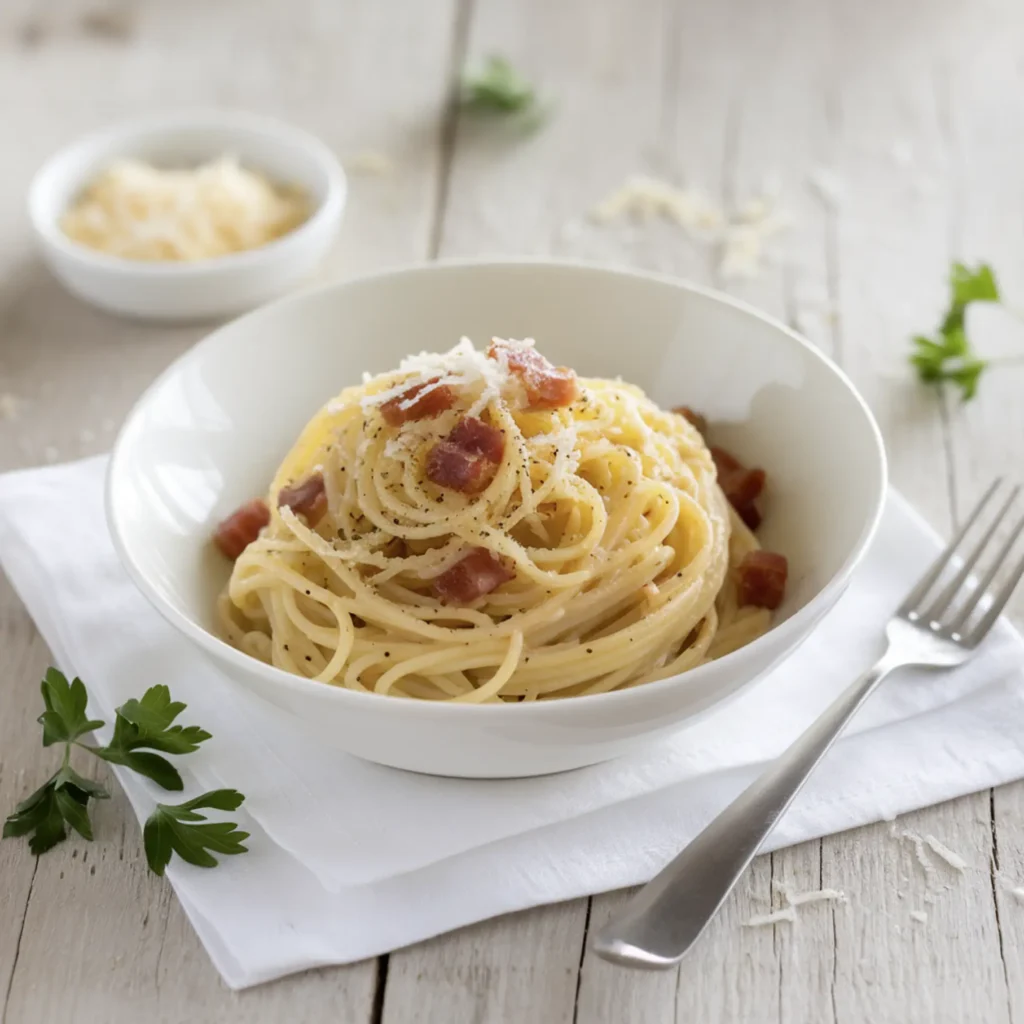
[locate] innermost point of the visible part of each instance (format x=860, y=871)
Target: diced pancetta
x=407, y=406
x=467, y=459
x=478, y=438
x=307, y=499
x=761, y=579
x=241, y=528
x=740, y=485
x=547, y=386
x=477, y=573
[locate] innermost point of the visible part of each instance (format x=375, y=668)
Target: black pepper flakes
x=590, y=650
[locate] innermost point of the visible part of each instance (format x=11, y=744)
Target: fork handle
x=667, y=916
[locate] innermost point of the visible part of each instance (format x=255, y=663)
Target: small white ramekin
x=202, y=289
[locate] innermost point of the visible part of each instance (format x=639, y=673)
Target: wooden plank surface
x=125, y=948
x=906, y=109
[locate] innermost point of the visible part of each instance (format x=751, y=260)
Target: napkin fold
x=349, y=859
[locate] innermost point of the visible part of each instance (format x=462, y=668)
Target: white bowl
x=205, y=288
x=207, y=437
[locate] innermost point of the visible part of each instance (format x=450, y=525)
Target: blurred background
x=889, y=133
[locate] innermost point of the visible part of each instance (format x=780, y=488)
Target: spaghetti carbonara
x=481, y=526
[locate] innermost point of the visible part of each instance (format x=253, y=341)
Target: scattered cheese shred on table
x=920, y=916
x=795, y=899
x=140, y=212
x=775, y=917
x=922, y=858
x=742, y=234
x=645, y=198
x=954, y=860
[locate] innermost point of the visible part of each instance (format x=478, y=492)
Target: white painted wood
x=124, y=948
x=909, y=103
x=988, y=434
x=893, y=249
x=517, y=968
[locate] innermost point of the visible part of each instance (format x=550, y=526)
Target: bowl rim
x=121, y=134
x=791, y=630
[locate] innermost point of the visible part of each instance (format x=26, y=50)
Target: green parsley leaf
x=949, y=356
x=152, y=766
x=141, y=727
x=973, y=285
x=63, y=798
x=497, y=88
x=178, y=828
x=146, y=723
x=152, y=717
x=64, y=719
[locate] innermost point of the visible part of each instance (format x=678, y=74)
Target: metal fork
x=660, y=924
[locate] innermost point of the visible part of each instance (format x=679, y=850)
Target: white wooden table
x=918, y=108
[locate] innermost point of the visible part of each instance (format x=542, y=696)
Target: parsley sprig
x=146, y=723
x=173, y=828
x=141, y=728
x=949, y=355
x=496, y=87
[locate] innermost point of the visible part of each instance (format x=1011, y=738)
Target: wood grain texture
x=122, y=941
x=518, y=968
x=907, y=104
x=987, y=436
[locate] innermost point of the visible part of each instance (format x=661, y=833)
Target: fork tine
x=998, y=604
x=920, y=592
x=948, y=594
x=960, y=619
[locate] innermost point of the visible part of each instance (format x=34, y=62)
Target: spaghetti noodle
x=482, y=527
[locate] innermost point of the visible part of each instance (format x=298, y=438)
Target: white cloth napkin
x=348, y=859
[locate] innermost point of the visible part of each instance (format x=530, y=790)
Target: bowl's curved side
x=177, y=467
x=394, y=733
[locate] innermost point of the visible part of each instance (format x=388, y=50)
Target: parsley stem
x=67, y=755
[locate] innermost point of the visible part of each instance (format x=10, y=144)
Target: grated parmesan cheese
x=795, y=899
x=919, y=853
x=954, y=860
x=139, y=212
x=744, y=244
x=787, y=914
x=742, y=235
x=646, y=198
x=919, y=916
x=462, y=365
x=1018, y=893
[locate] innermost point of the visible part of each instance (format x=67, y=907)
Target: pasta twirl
x=608, y=539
